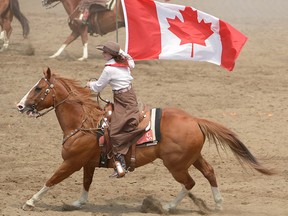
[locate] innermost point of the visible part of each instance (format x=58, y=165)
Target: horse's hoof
x=27, y=207
x=218, y=207
x=82, y=59
x=168, y=207
x=67, y=207
x=2, y=49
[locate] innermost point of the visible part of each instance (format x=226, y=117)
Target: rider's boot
x=120, y=166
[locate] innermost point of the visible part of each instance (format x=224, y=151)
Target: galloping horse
x=8, y=9
x=101, y=22
x=182, y=139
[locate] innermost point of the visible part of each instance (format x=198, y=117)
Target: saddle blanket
x=153, y=134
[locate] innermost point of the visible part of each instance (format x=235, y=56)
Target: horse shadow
x=115, y=209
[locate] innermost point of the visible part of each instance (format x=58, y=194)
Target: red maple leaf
x=190, y=30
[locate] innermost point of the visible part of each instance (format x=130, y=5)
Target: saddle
x=148, y=119
x=95, y=25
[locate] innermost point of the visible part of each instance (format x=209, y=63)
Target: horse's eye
x=37, y=89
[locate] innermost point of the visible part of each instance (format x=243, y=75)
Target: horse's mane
x=78, y=94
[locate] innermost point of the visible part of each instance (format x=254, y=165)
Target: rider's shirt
x=117, y=76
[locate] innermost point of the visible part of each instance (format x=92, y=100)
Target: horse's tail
x=15, y=8
x=223, y=136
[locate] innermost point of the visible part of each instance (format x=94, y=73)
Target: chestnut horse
x=101, y=22
x=182, y=139
x=9, y=9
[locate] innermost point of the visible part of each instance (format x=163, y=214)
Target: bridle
x=49, y=89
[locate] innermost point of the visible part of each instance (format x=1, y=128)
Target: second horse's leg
x=73, y=36
x=84, y=38
x=5, y=34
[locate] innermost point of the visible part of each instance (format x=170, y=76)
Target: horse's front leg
x=65, y=170
x=84, y=38
x=73, y=36
x=30, y=204
x=88, y=173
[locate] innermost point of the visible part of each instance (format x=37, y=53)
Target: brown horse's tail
x=223, y=136
x=15, y=8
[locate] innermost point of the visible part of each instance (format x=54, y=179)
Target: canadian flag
x=156, y=30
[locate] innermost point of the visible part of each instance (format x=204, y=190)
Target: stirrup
x=120, y=166
x=116, y=175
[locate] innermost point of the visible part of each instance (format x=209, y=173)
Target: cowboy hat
x=110, y=47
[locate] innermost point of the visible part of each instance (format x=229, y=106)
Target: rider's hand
x=124, y=54
x=88, y=84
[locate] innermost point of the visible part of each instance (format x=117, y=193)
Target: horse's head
x=40, y=96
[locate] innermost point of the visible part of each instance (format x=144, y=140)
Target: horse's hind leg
x=187, y=182
x=207, y=170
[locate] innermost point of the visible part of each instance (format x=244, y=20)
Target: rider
x=125, y=118
x=84, y=6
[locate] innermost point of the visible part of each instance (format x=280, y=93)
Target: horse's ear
x=47, y=73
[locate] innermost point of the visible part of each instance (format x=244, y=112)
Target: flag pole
x=117, y=21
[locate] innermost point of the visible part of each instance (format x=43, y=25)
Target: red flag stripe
x=143, y=14
x=232, y=43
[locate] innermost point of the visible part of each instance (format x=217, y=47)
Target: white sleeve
x=101, y=83
x=129, y=59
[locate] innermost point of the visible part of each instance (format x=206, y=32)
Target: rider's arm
x=128, y=58
x=101, y=83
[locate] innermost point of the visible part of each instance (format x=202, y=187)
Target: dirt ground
x=252, y=101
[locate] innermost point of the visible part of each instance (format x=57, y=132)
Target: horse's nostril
x=20, y=107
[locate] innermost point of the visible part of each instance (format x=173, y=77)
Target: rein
x=73, y=12
x=47, y=91
x=81, y=129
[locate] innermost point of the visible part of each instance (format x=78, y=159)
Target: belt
x=123, y=90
